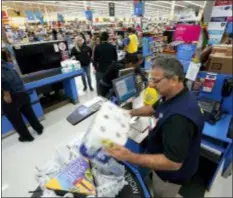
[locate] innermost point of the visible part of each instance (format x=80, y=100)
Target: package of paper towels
x=111, y=125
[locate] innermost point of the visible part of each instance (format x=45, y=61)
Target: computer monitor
x=39, y=56
x=125, y=88
x=126, y=71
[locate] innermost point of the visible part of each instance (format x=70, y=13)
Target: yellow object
x=82, y=189
x=133, y=44
x=107, y=143
x=195, y=60
x=150, y=96
x=53, y=184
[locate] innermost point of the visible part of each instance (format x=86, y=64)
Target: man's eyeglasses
x=156, y=81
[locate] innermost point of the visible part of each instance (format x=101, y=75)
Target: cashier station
x=216, y=143
x=46, y=84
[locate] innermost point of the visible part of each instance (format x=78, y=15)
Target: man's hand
x=7, y=97
x=120, y=153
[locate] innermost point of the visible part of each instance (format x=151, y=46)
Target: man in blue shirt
x=172, y=148
x=15, y=101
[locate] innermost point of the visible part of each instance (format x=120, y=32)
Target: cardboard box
x=224, y=49
x=220, y=63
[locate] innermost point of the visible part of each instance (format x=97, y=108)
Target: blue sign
x=148, y=63
x=30, y=15
x=229, y=28
x=185, y=53
x=185, y=64
x=39, y=16
x=215, y=36
x=60, y=17
x=139, y=9
x=88, y=14
x=146, y=49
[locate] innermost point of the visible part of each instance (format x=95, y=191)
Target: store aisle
x=19, y=159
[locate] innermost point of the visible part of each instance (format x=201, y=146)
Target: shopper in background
x=131, y=42
x=15, y=100
x=130, y=61
x=95, y=40
x=120, y=42
x=172, y=148
x=33, y=37
x=83, y=53
x=54, y=34
x=60, y=35
x=95, y=43
x=105, y=54
x=83, y=36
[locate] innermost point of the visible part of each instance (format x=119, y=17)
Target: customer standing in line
x=105, y=54
x=94, y=44
x=15, y=100
x=83, y=53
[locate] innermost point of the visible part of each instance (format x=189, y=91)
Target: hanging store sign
x=88, y=15
x=111, y=7
x=4, y=14
x=60, y=17
x=229, y=28
x=30, y=15
x=185, y=53
x=222, y=11
x=139, y=8
x=39, y=16
x=187, y=33
x=5, y=18
x=216, y=31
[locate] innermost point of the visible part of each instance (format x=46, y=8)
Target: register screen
x=126, y=88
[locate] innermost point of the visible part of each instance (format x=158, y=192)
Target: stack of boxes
x=220, y=60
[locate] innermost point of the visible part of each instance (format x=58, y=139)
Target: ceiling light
x=190, y=2
x=155, y=5
x=167, y=2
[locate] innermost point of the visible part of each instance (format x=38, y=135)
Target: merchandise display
x=113, y=92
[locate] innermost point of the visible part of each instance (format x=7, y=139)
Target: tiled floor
x=19, y=159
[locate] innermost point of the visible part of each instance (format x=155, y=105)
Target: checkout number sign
x=209, y=82
x=63, y=50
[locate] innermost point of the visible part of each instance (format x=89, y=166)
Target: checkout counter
x=216, y=144
x=42, y=79
x=47, y=84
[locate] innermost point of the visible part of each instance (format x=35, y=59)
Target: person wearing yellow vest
x=131, y=42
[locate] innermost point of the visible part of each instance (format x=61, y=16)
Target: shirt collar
x=181, y=93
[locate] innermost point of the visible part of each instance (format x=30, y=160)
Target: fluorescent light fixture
x=46, y=4
x=167, y=2
x=192, y=3
x=155, y=5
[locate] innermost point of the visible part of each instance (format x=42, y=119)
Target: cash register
x=126, y=90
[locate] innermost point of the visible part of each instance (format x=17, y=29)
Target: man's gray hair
x=171, y=66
